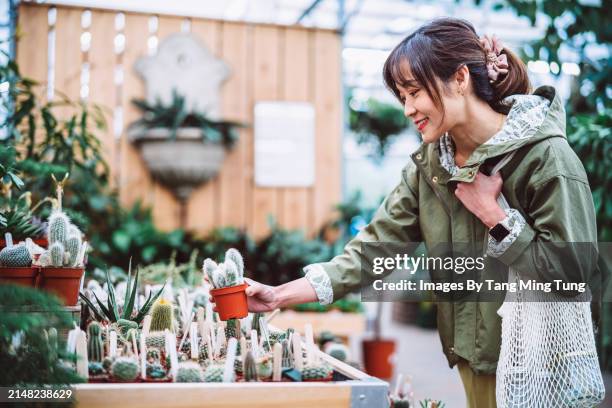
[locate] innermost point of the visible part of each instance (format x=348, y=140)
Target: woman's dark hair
x=438, y=49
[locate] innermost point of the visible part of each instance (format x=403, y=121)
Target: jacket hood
x=531, y=119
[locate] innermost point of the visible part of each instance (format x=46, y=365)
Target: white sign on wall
x=284, y=144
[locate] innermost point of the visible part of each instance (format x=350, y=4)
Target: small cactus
x=153, y=354
x=124, y=369
x=107, y=363
x=95, y=346
x=232, y=328
x=214, y=373
x=124, y=325
x=203, y=354
x=162, y=316
x=229, y=273
x=316, y=372
x=56, y=253
x=95, y=368
x=52, y=339
x=156, y=340
x=58, y=227
x=65, y=243
x=338, y=351
x=250, y=368
x=15, y=256
x=155, y=370
x=264, y=368
x=189, y=372
x=287, y=361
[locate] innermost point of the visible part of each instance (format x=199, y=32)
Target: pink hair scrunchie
x=497, y=63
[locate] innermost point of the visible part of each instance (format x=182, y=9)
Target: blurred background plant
x=28, y=353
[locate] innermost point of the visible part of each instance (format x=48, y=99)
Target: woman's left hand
x=480, y=198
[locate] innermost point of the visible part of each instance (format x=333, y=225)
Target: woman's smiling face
x=430, y=120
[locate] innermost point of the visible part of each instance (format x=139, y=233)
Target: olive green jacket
x=545, y=181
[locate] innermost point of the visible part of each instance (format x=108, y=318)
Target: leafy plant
x=111, y=312
x=591, y=139
x=376, y=124
x=27, y=357
x=177, y=115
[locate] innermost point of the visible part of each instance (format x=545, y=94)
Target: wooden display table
x=356, y=390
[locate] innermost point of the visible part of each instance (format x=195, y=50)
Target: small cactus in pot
x=16, y=256
x=214, y=373
x=228, y=284
x=124, y=369
x=95, y=346
x=190, y=372
x=315, y=372
x=162, y=316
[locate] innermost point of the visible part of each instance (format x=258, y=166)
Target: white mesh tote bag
x=548, y=356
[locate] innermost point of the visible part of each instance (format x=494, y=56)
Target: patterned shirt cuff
x=514, y=222
x=321, y=283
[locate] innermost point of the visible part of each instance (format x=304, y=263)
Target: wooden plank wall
x=268, y=62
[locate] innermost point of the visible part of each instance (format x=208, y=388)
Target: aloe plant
x=110, y=312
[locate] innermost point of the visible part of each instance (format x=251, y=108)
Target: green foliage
x=177, y=115
x=280, y=256
x=429, y=403
x=27, y=354
x=575, y=25
x=376, y=124
x=591, y=139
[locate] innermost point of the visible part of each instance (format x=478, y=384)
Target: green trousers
x=479, y=389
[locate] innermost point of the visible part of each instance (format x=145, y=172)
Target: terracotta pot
x=25, y=276
x=38, y=241
x=64, y=282
x=377, y=355
x=231, y=302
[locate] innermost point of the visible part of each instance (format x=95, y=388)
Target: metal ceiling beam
x=308, y=10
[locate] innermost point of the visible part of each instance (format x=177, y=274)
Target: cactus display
x=338, y=351
x=155, y=370
x=190, y=372
x=125, y=369
x=264, y=368
x=162, y=316
x=232, y=329
x=316, y=372
x=15, y=256
x=287, y=355
x=66, y=248
x=95, y=368
x=213, y=373
x=203, y=354
x=227, y=274
x=249, y=368
x=153, y=355
x=52, y=343
x=107, y=363
x=156, y=340
x=95, y=346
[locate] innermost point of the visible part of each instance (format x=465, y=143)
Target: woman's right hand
x=260, y=298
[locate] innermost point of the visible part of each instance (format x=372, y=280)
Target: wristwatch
x=499, y=232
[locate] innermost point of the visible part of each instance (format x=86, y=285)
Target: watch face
x=499, y=232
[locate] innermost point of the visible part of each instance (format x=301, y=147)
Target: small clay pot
x=64, y=282
x=231, y=302
x=25, y=276
x=377, y=355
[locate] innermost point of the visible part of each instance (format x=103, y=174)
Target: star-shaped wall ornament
x=183, y=64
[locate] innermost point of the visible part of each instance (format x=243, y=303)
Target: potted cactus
x=378, y=352
x=16, y=264
x=62, y=265
x=227, y=279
